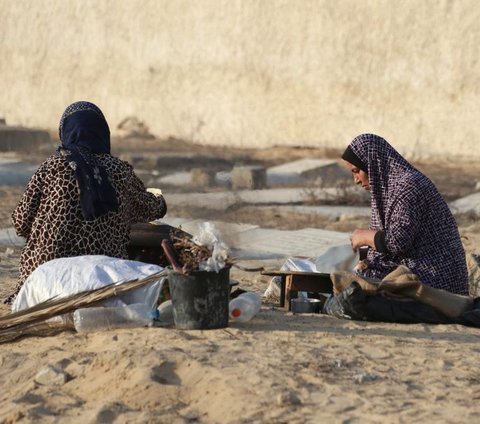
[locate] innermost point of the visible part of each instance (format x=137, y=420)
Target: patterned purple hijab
x=420, y=231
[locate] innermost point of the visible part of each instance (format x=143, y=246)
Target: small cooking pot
x=303, y=305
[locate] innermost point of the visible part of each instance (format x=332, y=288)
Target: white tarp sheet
x=66, y=276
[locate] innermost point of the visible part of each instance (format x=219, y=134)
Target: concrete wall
x=252, y=72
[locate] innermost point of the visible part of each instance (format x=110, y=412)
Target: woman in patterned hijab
x=81, y=200
x=410, y=223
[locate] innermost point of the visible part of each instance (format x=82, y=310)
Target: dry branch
x=23, y=321
x=185, y=255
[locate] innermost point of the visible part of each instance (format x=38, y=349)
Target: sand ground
x=279, y=367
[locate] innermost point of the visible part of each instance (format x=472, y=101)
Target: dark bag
x=353, y=303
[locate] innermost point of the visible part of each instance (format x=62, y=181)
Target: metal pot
x=302, y=305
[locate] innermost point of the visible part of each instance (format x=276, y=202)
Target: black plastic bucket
x=200, y=300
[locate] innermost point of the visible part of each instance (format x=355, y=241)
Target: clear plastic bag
x=209, y=236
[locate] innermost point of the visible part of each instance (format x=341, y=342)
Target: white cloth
x=66, y=276
x=337, y=258
x=334, y=259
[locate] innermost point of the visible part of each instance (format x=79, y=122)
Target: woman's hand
x=361, y=238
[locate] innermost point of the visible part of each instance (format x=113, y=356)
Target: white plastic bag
x=66, y=276
x=335, y=258
x=209, y=236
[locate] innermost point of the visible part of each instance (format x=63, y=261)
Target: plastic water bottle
x=244, y=307
x=107, y=318
x=165, y=312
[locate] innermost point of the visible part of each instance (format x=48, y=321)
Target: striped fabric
x=420, y=231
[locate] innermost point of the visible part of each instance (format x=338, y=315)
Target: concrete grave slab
x=223, y=178
x=225, y=199
x=22, y=139
x=176, y=179
x=8, y=237
x=247, y=242
x=270, y=243
x=181, y=179
x=15, y=172
x=191, y=226
x=332, y=212
x=200, y=177
x=249, y=177
x=467, y=204
x=251, y=242
x=326, y=171
x=189, y=160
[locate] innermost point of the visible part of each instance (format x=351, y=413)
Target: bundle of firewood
x=183, y=253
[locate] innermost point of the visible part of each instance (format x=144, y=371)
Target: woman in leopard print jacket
x=82, y=200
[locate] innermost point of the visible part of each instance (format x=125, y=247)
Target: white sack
x=66, y=276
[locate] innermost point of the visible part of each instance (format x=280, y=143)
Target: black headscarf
x=352, y=158
x=84, y=132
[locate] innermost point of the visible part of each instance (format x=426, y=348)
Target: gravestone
x=249, y=177
x=18, y=139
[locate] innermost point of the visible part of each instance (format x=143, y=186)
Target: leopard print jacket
x=50, y=217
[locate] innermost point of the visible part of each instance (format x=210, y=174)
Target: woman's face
x=359, y=177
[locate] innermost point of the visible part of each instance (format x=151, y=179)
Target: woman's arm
x=146, y=206
x=401, y=226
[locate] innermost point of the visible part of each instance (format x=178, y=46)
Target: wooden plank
x=306, y=283
x=282, y=292
x=312, y=283
x=288, y=289
x=295, y=281
x=285, y=273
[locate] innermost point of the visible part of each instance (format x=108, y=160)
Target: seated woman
x=81, y=200
x=410, y=223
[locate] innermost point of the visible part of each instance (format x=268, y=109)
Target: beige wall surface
x=252, y=72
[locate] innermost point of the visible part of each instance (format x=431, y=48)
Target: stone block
x=326, y=172
x=51, y=376
x=181, y=161
x=202, y=177
x=14, y=172
x=249, y=177
x=19, y=139
x=140, y=160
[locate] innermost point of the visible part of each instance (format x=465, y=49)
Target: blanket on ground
x=402, y=283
